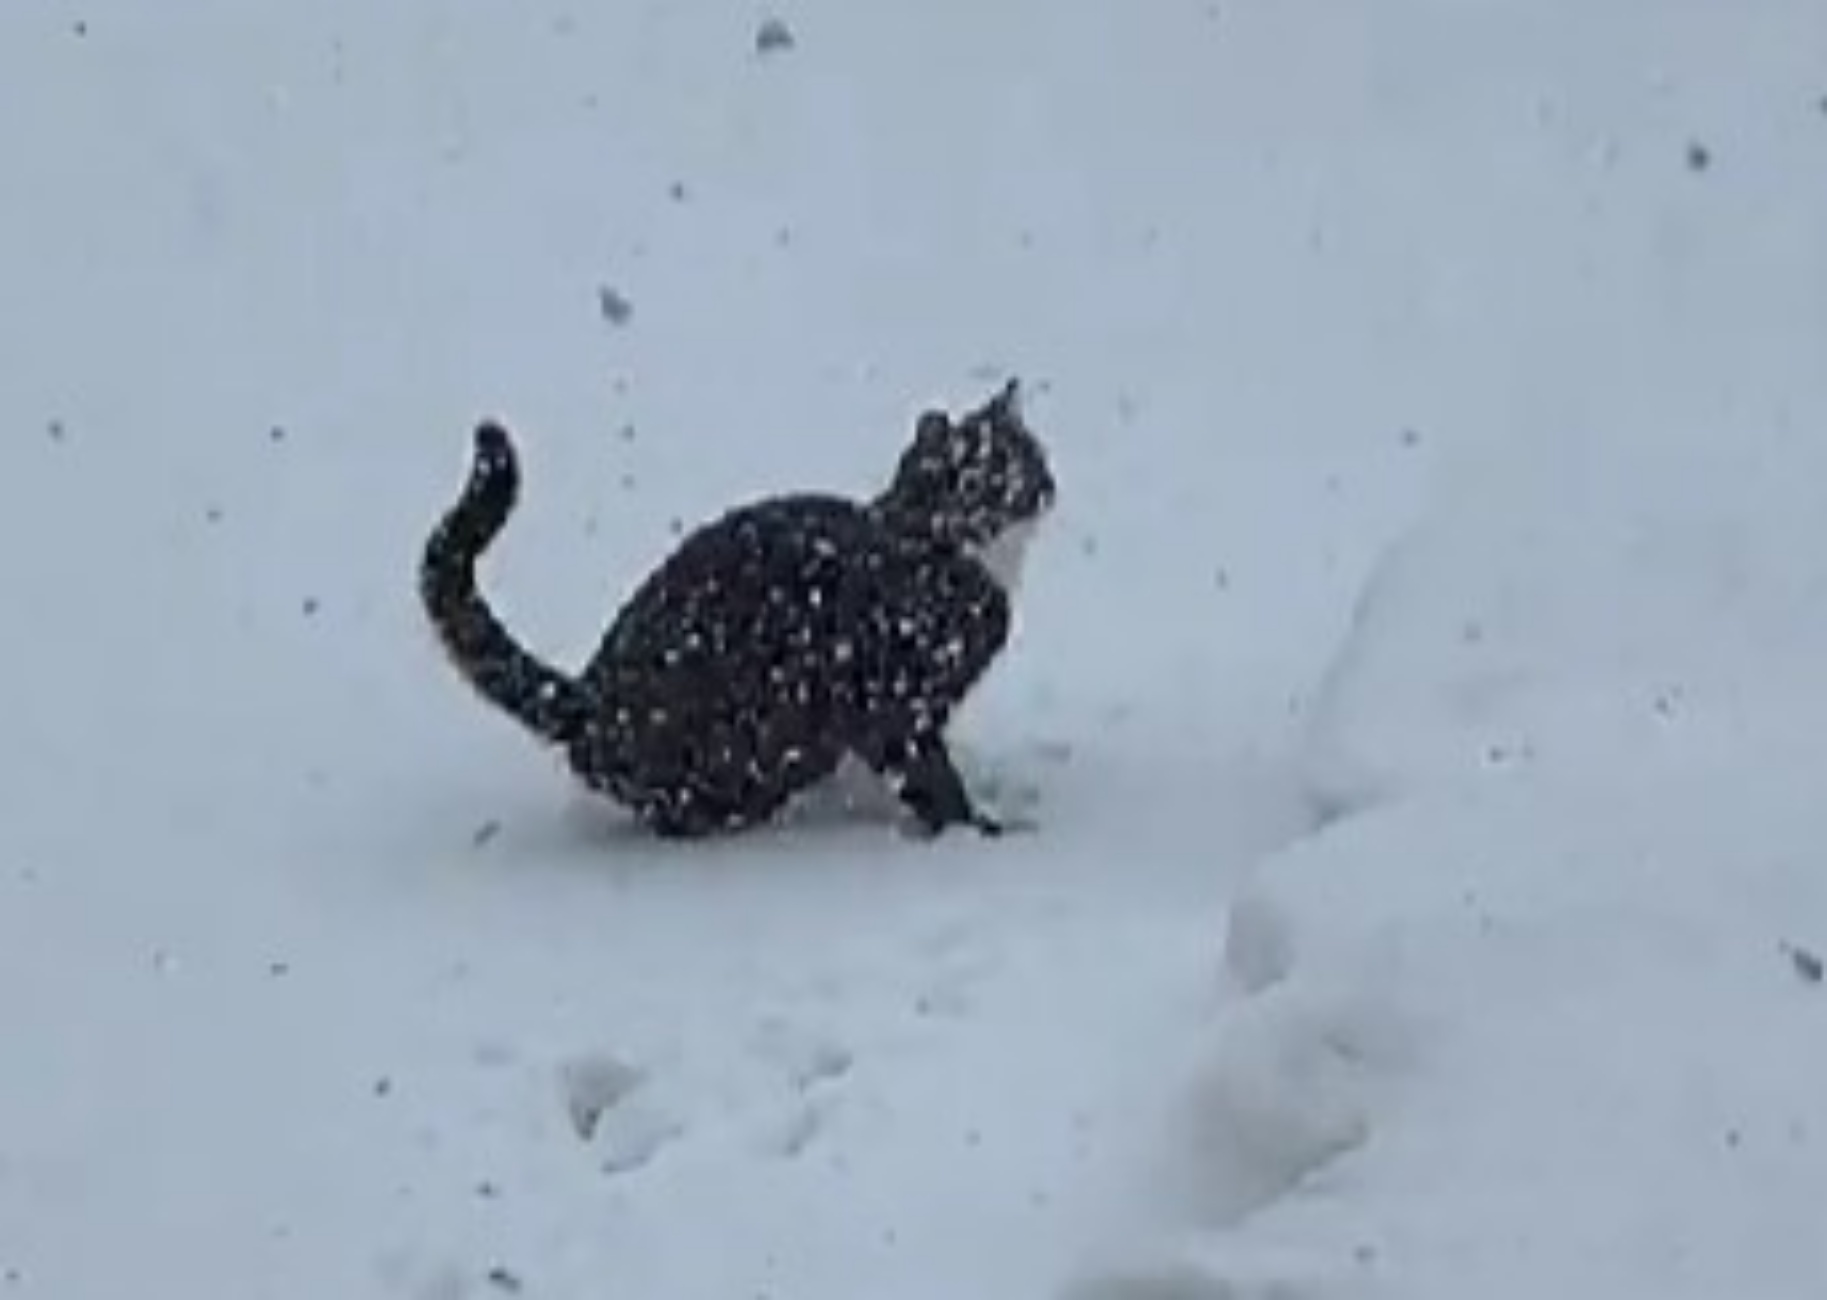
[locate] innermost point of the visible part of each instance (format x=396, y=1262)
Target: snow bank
x=1540, y=1010
x=1539, y=1038
x=1593, y=601
x=1625, y=564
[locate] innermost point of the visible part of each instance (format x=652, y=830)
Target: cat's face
x=975, y=481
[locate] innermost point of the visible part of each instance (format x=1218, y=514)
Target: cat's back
x=763, y=575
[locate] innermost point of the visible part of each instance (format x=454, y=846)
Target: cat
x=776, y=641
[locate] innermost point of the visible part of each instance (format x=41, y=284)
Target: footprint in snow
x=956, y=959
x=804, y=1123
x=636, y=1135
x=805, y=1058
x=610, y=1109
x=810, y=1066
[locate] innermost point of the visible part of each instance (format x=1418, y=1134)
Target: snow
x=1417, y=694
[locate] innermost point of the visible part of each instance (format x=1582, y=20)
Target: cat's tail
x=548, y=703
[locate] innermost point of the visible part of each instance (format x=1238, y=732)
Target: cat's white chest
x=1006, y=554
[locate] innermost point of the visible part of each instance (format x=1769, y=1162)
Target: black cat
x=777, y=639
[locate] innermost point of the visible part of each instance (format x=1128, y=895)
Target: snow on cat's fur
x=776, y=641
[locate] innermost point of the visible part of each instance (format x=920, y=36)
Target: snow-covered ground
x=1419, y=692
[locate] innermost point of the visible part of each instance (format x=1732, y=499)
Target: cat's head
x=980, y=482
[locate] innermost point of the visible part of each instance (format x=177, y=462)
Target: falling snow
x=1288, y=989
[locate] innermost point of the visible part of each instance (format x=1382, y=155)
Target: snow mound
x=1593, y=602
x=1528, y=1040
x=1605, y=1071
x=1541, y=1010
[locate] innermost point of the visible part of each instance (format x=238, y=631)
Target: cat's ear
x=1006, y=405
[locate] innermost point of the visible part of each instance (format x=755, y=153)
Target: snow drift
x=1540, y=1011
